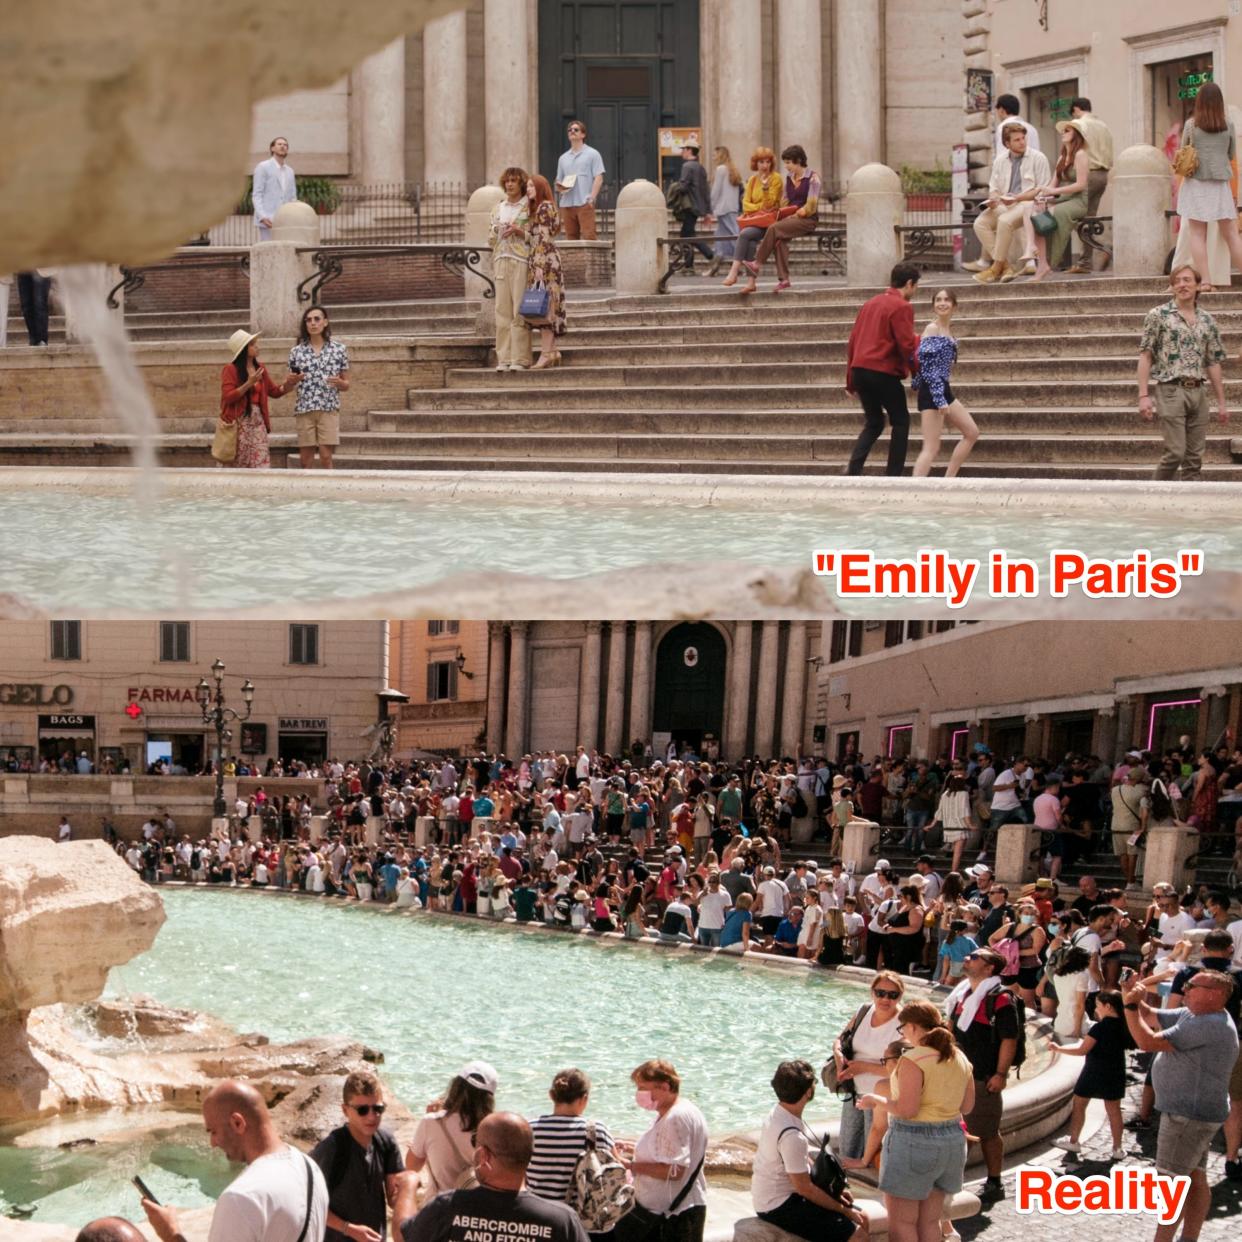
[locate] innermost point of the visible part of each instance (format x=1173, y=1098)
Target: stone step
x=538, y=390
x=447, y=325
x=1054, y=421
x=749, y=448
x=1040, y=471
x=597, y=374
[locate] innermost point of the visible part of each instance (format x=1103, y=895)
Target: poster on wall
x=978, y=90
x=253, y=739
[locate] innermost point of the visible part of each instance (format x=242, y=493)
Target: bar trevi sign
x=303, y=724
x=18, y=694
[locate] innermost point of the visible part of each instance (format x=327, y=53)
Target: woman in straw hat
x=245, y=387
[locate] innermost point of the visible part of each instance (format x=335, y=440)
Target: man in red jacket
x=879, y=356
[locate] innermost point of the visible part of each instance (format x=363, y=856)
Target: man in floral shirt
x=1181, y=351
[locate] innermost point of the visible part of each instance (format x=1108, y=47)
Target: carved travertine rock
x=68, y=914
x=126, y=126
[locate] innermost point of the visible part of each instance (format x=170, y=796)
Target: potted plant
x=320, y=192
x=926, y=189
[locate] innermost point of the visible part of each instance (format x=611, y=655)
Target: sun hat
x=238, y=341
x=479, y=1074
x=1076, y=124
x=979, y=869
x=838, y=781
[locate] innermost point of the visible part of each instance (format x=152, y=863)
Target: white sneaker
x=979, y=265
x=516, y=366
x=1118, y=1153
x=502, y=366
x=1068, y=1145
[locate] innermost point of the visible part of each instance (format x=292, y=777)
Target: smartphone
x=1127, y=974
x=143, y=1189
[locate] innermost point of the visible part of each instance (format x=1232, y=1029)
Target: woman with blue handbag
x=510, y=241
x=543, y=306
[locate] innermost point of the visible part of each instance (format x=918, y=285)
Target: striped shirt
x=559, y=1141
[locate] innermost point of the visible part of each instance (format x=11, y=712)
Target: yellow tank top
x=943, y=1083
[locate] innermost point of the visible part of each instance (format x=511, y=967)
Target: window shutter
x=431, y=683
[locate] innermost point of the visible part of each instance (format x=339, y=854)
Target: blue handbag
x=536, y=303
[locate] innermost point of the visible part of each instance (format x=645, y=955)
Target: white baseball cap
x=479, y=1074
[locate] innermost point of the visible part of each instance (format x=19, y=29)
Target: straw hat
x=238, y=341
x=1076, y=123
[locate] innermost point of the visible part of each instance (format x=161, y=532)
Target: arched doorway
x=690, y=687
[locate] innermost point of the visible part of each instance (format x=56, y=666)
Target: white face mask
x=644, y=1099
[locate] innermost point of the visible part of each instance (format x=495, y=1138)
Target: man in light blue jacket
x=274, y=185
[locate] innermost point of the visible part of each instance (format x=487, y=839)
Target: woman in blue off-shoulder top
x=937, y=353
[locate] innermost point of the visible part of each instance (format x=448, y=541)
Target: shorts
x=984, y=1120
x=1182, y=1144
x=1235, y=1080
x=1028, y=977
x=925, y=397
x=953, y=835
x=317, y=427
x=919, y=1157
x=1122, y=847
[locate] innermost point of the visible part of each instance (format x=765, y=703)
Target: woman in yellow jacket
x=762, y=193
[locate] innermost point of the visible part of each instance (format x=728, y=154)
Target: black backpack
x=799, y=803
x=1019, y=1005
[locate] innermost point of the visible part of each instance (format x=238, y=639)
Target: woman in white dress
x=1205, y=195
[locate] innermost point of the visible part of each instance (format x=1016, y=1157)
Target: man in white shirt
x=64, y=832
x=780, y=1183
x=1016, y=174
x=280, y=1197
x=582, y=765
x=1006, y=802
x=273, y=185
x=1173, y=923
x=773, y=902
x=714, y=905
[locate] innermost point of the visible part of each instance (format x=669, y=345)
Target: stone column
x=976, y=38
x=799, y=82
x=444, y=101
x=423, y=825
x=765, y=705
x=588, y=687
x=873, y=208
x=739, y=691
x=318, y=828
x=739, y=38
x=857, y=44
x=1104, y=737
x=640, y=685
x=515, y=732
x=508, y=72
x=614, y=708
x=795, y=690
x=380, y=84
x=1140, y=185
x=495, y=686
x=1125, y=726
x=641, y=220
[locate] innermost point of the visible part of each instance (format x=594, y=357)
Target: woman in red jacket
x=245, y=387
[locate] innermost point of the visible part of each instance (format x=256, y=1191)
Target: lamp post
x=218, y=714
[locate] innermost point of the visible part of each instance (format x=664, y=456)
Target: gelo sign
x=16, y=694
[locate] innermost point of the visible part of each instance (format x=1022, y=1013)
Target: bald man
x=499, y=1205
x=109, y=1229
x=280, y=1197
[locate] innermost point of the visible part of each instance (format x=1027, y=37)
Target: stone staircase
x=717, y=383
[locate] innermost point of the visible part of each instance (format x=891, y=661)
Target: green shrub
x=320, y=192
x=926, y=180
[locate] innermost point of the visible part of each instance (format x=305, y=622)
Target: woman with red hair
x=545, y=268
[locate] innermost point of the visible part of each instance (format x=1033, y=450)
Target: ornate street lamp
x=218, y=715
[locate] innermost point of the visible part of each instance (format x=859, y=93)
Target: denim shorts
x=919, y=1157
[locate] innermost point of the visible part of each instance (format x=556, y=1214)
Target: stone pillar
x=739, y=37
x=374, y=827
x=795, y=690
x=1169, y=848
x=799, y=81
x=478, y=222
x=1140, y=185
x=1125, y=727
x=873, y=208
x=508, y=73
x=641, y=220
x=614, y=709
x=1217, y=712
x=1104, y=736
x=89, y=300
x=445, y=84
x=588, y=687
x=976, y=38
x=275, y=273
x=765, y=701
x=318, y=827
x=1014, y=845
x=739, y=691
x=857, y=43
x=380, y=85
x=423, y=825
x=495, y=686
x=640, y=685
x=859, y=845
x=515, y=731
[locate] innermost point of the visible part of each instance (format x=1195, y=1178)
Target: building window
x=66, y=640
x=914, y=630
x=943, y=627
x=304, y=644
x=856, y=637
x=899, y=740
x=174, y=642
x=441, y=681
x=836, y=652
x=436, y=628
x=894, y=633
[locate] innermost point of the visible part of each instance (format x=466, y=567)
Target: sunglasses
x=573, y=129
x=885, y=993
x=364, y=1110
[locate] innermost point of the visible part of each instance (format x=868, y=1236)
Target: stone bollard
x=374, y=829
x=483, y=824
x=254, y=829
x=859, y=844
x=276, y=270
x=1140, y=185
x=478, y=224
x=318, y=826
x=873, y=208
x=1170, y=847
x=641, y=220
x=103, y=278
x=422, y=829
x=1015, y=844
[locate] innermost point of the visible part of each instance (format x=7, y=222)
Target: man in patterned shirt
x=1181, y=351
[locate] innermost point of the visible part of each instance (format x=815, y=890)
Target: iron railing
x=330, y=263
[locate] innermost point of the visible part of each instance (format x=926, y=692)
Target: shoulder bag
x=764, y=219
x=536, y=304
x=310, y=1196
x=1186, y=160
x=828, y=1075
x=224, y=442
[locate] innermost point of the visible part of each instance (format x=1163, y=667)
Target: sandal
x=782, y=285
x=749, y=287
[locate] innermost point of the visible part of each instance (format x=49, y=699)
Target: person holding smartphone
x=245, y=387
x=319, y=368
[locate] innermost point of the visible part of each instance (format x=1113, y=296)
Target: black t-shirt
x=485, y=1215
x=1225, y=966
x=993, y=919
x=1084, y=803
x=980, y=1043
x=358, y=1195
